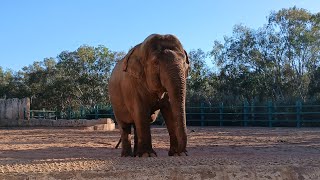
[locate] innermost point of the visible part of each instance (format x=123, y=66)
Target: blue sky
x=31, y=30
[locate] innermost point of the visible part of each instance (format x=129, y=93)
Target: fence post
x=62, y=115
x=245, y=113
x=56, y=113
x=96, y=109
x=298, y=108
x=252, y=112
x=221, y=114
x=81, y=112
x=270, y=113
x=44, y=113
x=202, y=113
x=69, y=113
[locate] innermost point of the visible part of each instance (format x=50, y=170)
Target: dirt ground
x=214, y=153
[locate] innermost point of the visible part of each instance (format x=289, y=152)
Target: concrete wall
x=12, y=111
x=105, y=124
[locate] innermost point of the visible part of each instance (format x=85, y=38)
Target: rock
x=105, y=127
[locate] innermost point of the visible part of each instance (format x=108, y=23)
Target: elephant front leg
x=171, y=126
x=143, y=136
x=126, y=140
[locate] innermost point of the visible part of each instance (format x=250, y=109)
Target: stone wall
x=13, y=111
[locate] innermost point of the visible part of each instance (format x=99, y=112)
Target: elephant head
x=162, y=64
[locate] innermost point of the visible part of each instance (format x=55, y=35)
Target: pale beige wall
x=13, y=110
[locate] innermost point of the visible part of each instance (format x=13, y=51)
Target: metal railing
x=251, y=115
x=81, y=113
x=42, y=114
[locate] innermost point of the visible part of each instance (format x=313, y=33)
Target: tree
x=199, y=81
x=298, y=32
x=274, y=62
x=83, y=75
x=314, y=87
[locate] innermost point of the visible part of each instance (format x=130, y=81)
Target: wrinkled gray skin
x=149, y=79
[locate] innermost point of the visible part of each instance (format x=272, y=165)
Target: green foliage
x=73, y=79
x=198, y=84
x=276, y=62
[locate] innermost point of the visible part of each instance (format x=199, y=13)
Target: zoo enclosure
x=247, y=114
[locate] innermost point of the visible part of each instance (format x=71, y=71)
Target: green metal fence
x=254, y=115
x=246, y=114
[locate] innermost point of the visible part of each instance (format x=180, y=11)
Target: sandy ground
x=214, y=153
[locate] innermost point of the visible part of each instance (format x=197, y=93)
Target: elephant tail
x=118, y=144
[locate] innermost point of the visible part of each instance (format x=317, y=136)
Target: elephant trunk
x=175, y=84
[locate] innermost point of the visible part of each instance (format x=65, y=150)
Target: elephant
x=151, y=78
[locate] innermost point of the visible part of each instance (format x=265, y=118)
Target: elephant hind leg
x=126, y=139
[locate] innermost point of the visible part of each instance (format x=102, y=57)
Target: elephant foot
x=180, y=154
x=171, y=153
x=126, y=153
x=151, y=153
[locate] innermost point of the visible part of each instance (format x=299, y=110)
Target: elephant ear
x=187, y=61
x=187, y=58
x=132, y=64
